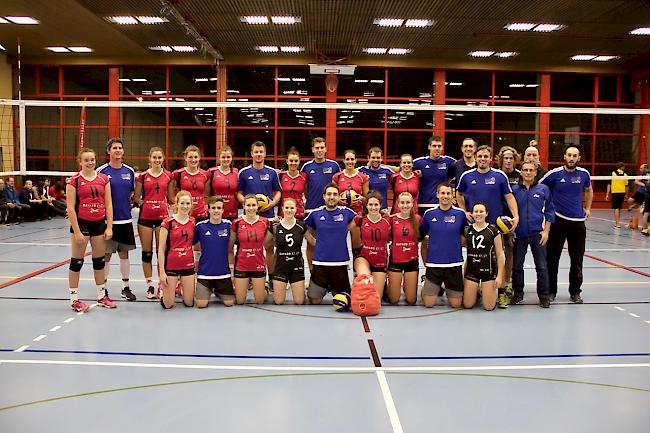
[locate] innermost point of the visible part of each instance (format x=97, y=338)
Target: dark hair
x=293, y=151
x=371, y=194
x=569, y=146
x=375, y=149
x=445, y=184
x=482, y=203
x=215, y=199
x=258, y=144
x=112, y=141
x=483, y=147
x=435, y=138
x=620, y=164
x=331, y=185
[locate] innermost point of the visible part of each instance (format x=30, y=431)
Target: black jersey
x=481, y=254
x=288, y=246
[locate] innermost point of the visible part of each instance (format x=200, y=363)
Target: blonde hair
x=156, y=149
x=177, y=198
x=414, y=221
x=225, y=148
x=85, y=150
x=191, y=148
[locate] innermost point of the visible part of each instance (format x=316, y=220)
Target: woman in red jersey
x=176, y=253
x=405, y=181
x=249, y=233
x=193, y=179
x=151, y=194
x=223, y=181
x=90, y=211
x=352, y=179
x=375, y=234
x=404, y=266
x=292, y=183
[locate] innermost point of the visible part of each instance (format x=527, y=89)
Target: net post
x=22, y=138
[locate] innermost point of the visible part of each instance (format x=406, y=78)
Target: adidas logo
x=322, y=218
x=312, y=171
x=473, y=182
x=208, y=233
x=427, y=166
x=250, y=177
x=562, y=181
x=435, y=220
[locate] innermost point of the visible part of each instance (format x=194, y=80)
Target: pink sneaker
x=179, y=290
x=106, y=302
x=79, y=306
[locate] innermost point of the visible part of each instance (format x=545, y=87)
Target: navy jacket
x=535, y=208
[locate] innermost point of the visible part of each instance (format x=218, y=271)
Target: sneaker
x=544, y=303
x=128, y=294
x=551, y=297
x=502, y=301
x=509, y=292
x=516, y=299
x=179, y=290
x=79, y=306
x=645, y=232
x=151, y=293
x=576, y=299
x=106, y=302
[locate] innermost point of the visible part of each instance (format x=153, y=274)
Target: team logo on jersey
x=536, y=195
x=208, y=233
x=222, y=233
x=562, y=181
x=265, y=177
x=312, y=171
x=250, y=177
x=322, y=218
x=83, y=183
x=576, y=179
x=382, y=176
x=338, y=218
x=490, y=181
x=450, y=219
x=442, y=166
x=126, y=176
x=427, y=166
x=327, y=170
x=473, y=182
x=435, y=220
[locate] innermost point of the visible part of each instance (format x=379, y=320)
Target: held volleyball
x=504, y=224
x=262, y=201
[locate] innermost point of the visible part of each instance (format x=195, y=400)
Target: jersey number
x=195, y=186
x=94, y=192
x=186, y=235
x=477, y=242
x=251, y=234
x=288, y=238
x=375, y=235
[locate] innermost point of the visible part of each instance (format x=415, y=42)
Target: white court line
x=21, y=348
x=390, y=404
x=648, y=322
x=620, y=309
x=621, y=250
x=325, y=369
x=68, y=320
x=35, y=244
x=56, y=328
x=40, y=337
x=633, y=315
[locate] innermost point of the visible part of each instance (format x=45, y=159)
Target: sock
x=107, y=269
x=125, y=268
x=101, y=291
x=501, y=291
x=149, y=282
x=73, y=294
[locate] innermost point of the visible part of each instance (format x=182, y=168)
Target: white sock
x=101, y=291
x=107, y=270
x=149, y=282
x=125, y=268
x=73, y=294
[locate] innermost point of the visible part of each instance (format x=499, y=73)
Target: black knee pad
x=188, y=306
x=147, y=256
x=76, y=264
x=99, y=263
x=163, y=304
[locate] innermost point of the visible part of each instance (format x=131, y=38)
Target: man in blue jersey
x=567, y=184
x=443, y=226
x=330, y=225
x=122, y=179
x=378, y=175
x=259, y=178
x=211, y=238
x=537, y=212
x=434, y=170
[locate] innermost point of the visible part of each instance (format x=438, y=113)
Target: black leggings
x=575, y=233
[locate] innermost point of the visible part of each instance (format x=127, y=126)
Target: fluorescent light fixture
x=388, y=22
x=200, y=80
x=284, y=79
x=360, y=81
x=455, y=83
x=583, y=57
x=123, y=20
x=144, y=19
x=299, y=79
x=213, y=90
x=58, y=49
x=146, y=92
x=398, y=51
x=548, y=27
x=285, y=20
x=532, y=85
x=159, y=92
x=641, y=31
x=232, y=91
x=124, y=79
x=291, y=49
x=255, y=19
x=418, y=23
x=520, y=27
x=506, y=54
x=22, y=20
x=179, y=99
x=517, y=86
x=268, y=49
x=375, y=50
x=3, y=21
x=481, y=53
x=377, y=81
x=2, y=47
x=604, y=58
x=165, y=48
x=80, y=49
x=183, y=48
x=139, y=80
x=140, y=98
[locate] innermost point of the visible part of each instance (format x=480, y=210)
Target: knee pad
x=99, y=263
x=76, y=264
x=430, y=289
x=188, y=306
x=147, y=256
x=163, y=304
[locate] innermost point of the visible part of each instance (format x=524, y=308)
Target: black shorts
x=646, y=204
x=91, y=228
x=179, y=272
x=480, y=278
x=289, y=277
x=450, y=277
x=412, y=266
x=638, y=198
x=123, y=239
x=152, y=224
x=221, y=287
x=617, y=200
x=325, y=279
x=250, y=274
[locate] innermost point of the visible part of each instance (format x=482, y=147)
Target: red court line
x=37, y=272
x=618, y=265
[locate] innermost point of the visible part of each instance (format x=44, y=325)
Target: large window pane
x=628, y=94
x=571, y=122
x=302, y=117
x=250, y=116
x=410, y=119
x=518, y=141
x=42, y=115
x=28, y=80
x=468, y=120
x=298, y=138
x=359, y=118
x=615, y=123
x=94, y=115
x=143, y=80
x=515, y=121
x=359, y=140
x=253, y=80
x=469, y=84
x=192, y=80
x=572, y=87
x=559, y=142
x=607, y=88
x=400, y=142
x=522, y=86
x=241, y=139
x=145, y=116
x=614, y=149
x=366, y=82
x=189, y=116
x=49, y=79
x=85, y=80
x=296, y=80
x=411, y=83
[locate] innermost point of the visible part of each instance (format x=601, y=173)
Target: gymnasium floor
x=573, y=368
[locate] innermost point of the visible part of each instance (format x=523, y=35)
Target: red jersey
x=195, y=185
x=225, y=186
x=90, y=205
x=154, y=195
x=402, y=184
x=294, y=187
x=374, y=240
x=405, y=244
x=250, y=244
x=179, y=254
x=354, y=182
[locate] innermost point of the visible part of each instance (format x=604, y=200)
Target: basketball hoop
x=331, y=83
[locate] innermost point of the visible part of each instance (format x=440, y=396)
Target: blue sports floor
x=572, y=368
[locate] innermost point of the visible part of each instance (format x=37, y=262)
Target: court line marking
x=40, y=337
x=618, y=265
x=620, y=309
x=648, y=322
x=68, y=320
x=633, y=315
x=36, y=244
x=56, y=328
x=389, y=402
x=37, y=272
x=21, y=348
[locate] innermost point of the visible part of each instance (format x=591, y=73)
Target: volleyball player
x=175, y=253
x=289, y=268
x=259, y=178
x=507, y=160
x=467, y=162
x=532, y=152
x=351, y=179
x=212, y=238
x=375, y=230
x=193, y=179
x=405, y=181
x=618, y=189
x=90, y=211
x=223, y=182
x=404, y=265
x=378, y=175
x=151, y=194
x=122, y=178
x=485, y=263
x=249, y=233
x=293, y=183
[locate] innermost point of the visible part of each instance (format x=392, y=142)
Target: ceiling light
x=2, y=47
x=455, y=83
x=388, y=22
x=255, y=19
x=375, y=50
x=141, y=80
x=481, y=53
x=285, y=20
x=165, y=48
x=532, y=85
x=641, y=31
x=604, y=58
x=360, y=81
x=22, y=20
x=299, y=79
x=213, y=90
x=506, y=54
x=3, y=21
x=80, y=49
x=58, y=49
x=520, y=27
x=398, y=51
x=183, y=48
x=292, y=49
x=124, y=20
x=124, y=79
x=268, y=49
x=284, y=79
x=377, y=81
x=151, y=19
x=517, y=86
x=548, y=27
x=200, y=80
x=583, y=57
x=418, y=23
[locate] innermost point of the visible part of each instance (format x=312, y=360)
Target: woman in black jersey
x=484, y=266
x=289, y=268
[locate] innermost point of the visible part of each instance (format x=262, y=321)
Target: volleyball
x=341, y=302
x=350, y=197
x=262, y=201
x=505, y=224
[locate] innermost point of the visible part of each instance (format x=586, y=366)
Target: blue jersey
x=122, y=186
x=490, y=188
x=214, y=239
x=319, y=174
x=263, y=181
x=434, y=172
x=567, y=188
x=444, y=228
x=378, y=181
x=331, y=227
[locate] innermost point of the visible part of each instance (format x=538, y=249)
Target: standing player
x=223, y=182
x=90, y=210
x=122, y=178
x=293, y=183
x=259, y=178
x=444, y=260
x=193, y=179
x=467, y=162
x=212, y=238
x=330, y=225
x=378, y=175
x=532, y=152
x=618, y=188
x=405, y=181
x=567, y=184
x=507, y=159
x=151, y=189
x=352, y=179
x=175, y=253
